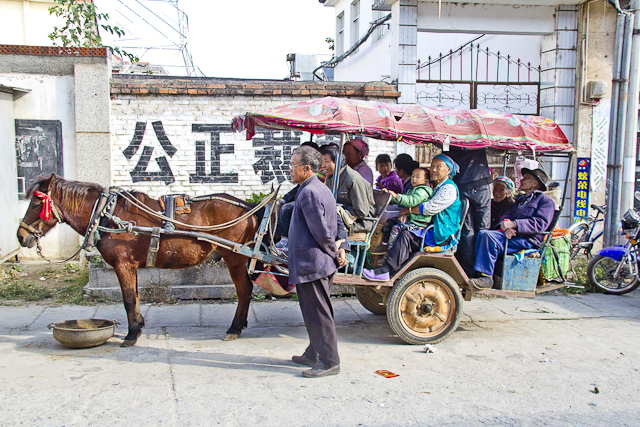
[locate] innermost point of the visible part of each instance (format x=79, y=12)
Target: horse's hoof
x=230, y=337
x=128, y=343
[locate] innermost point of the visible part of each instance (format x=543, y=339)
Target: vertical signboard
x=581, y=209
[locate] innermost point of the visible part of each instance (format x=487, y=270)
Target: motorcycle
x=615, y=268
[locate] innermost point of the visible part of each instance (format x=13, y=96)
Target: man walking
x=313, y=260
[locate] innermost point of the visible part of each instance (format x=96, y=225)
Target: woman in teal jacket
x=445, y=208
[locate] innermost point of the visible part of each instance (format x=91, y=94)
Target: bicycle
x=582, y=233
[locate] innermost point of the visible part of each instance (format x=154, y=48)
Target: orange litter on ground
x=387, y=374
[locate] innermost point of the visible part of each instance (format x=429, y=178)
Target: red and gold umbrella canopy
x=412, y=124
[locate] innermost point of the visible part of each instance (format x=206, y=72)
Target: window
x=355, y=22
x=379, y=32
x=339, y=45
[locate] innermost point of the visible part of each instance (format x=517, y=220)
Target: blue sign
x=581, y=209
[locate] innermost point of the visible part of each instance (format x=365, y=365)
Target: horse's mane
x=72, y=193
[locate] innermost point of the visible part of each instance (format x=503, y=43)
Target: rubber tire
x=591, y=269
x=367, y=297
x=577, y=233
x=394, y=305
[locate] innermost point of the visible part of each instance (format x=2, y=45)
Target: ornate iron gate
x=473, y=77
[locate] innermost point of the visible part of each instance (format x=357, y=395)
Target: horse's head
x=42, y=215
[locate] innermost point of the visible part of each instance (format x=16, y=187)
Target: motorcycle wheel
x=601, y=270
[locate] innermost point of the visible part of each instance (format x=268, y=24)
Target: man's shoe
x=320, y=370
x=303, y=360
x=369, y=274
x=484, y=282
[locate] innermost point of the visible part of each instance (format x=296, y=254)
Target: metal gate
x=472, y=77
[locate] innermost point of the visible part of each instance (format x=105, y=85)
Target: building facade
x=524, y=58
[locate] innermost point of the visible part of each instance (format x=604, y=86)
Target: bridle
x=48, y=211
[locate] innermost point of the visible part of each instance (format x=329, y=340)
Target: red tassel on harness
x=46, y=213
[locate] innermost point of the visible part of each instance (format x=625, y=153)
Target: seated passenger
x=405, y=165
x=445, y=208
x=355, y=150
x=286, y=203
x=355, y=194
x=524, y=225
x=420, y=192
x=388, y=178
x=503, y=191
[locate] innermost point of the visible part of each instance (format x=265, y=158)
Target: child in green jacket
x=420, y=193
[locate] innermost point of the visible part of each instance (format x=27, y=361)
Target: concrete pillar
x=92, y=105
x=631, y=131
x=407, y=50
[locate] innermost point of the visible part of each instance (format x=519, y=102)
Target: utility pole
x=624, y=33
x=631, y=134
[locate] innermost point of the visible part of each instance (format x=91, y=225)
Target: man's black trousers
x=317, y=312
x=478, y=218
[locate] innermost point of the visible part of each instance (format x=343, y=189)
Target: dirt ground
x=42, y=282
x=44, y=274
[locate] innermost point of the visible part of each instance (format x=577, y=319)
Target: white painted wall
x=512, y=29
x=372, y=61
x=8, y=182
x=51, y=98
x=178, y=113
x=485, y=18
x=27, y=22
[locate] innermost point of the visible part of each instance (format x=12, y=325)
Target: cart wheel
x=425, y=306
x=371, y=300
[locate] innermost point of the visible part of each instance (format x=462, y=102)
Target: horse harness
x=48, y=211
x=102, y=214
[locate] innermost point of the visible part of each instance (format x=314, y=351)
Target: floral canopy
x=412, y=124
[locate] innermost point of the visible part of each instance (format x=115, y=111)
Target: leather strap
x=154, y=246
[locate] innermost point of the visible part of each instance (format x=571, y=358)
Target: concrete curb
x=210, y=280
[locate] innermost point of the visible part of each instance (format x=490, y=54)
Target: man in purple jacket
x=313, y=260
x=524, y=225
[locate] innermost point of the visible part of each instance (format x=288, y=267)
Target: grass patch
x=72, y=293
x=156, y=292
x=578, y=275
x=15, y=290
x=68, y=289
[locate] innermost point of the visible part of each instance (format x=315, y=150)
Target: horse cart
x=423, y=301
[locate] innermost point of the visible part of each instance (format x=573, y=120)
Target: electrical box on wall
x=596, y=89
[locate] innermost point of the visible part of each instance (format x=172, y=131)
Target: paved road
x=512, y=362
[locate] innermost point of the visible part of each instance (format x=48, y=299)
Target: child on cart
x=419, y=193
x=388, y=178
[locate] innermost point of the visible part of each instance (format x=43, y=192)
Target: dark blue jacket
x=312, y=233
x=474, y=167
x=532, y=214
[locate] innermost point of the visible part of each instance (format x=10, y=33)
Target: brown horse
x=73, y=203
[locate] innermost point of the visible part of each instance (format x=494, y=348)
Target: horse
x=54, y=200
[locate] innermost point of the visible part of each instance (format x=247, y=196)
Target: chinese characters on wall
x=581, y=210
x=272, y=149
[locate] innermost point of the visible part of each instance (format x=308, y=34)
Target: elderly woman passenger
x=503, y=192
x=445, y=208
x=355, y=150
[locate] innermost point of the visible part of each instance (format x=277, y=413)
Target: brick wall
x=172, y=135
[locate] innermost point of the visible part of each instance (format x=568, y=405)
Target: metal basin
x=83, y=333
